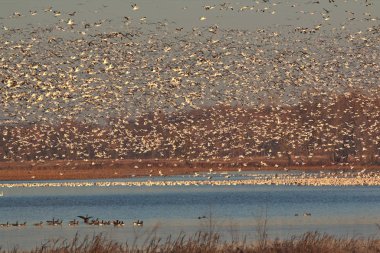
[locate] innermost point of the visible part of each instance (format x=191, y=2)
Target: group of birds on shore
x=111, y=78
x=86, y=220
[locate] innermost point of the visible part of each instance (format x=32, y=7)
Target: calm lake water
x=234, y=211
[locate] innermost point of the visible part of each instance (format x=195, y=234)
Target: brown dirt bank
x=131, y=168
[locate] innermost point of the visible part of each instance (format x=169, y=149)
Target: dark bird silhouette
x=73, y=222
x=138, y=223
x=85, y=218
x=118, y=223
x=39, y=224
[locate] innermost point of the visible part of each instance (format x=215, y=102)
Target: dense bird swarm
x=72, y=90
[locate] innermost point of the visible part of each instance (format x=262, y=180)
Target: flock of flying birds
x=121, y=87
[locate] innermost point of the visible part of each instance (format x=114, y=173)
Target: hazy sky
x=187, y=13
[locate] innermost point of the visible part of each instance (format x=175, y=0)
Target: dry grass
x=205, y=242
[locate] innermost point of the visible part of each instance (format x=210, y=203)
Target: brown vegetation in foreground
x=210, y=243
x=333, y=131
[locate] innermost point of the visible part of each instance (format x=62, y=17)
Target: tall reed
x=204, y=242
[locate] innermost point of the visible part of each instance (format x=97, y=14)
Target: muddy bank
x=103, y=169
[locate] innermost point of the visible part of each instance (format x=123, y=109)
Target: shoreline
x=294, y=182
x=106, y=169
x=221, y=178
x=102, y=170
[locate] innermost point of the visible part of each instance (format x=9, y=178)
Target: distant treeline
x=334, y=129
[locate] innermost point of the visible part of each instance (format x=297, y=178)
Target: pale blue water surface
x=234, y=210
